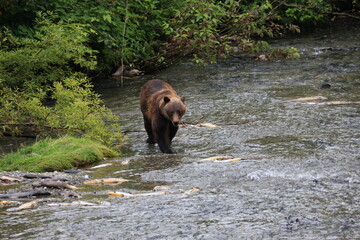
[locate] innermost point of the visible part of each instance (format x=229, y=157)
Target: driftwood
x=25, y=194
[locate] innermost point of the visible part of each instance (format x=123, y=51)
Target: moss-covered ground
x=56, y=155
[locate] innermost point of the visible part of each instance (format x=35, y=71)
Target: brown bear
x=162, y=109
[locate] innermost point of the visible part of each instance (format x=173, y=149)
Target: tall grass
x=56, y=155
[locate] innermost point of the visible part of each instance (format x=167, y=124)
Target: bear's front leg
x=161, y=132
x=172, y=132
x=149, y=131
x=164, y=145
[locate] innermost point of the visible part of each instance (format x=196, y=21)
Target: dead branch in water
x=196, y=121
x=31, y=130
x=132, y=131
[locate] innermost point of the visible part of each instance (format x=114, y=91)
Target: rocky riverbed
x=59, y=186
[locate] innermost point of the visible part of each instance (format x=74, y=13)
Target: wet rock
x=72, y=171
x=325, y=86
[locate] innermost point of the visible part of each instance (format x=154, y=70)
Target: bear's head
x=173, y=109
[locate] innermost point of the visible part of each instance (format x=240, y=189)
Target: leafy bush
x=128, y=30
x=207, y=29
x=41, y=91
x=76, y=110
x=147, y=33
x=54, y=53
x=195, y=30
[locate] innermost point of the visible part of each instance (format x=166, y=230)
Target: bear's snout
x=175, y=119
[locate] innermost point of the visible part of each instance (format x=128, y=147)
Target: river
x=299, y=178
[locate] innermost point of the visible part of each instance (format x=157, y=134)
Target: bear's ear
x=166, y=99
x=183, y=99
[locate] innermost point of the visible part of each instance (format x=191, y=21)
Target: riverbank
x=56, y=155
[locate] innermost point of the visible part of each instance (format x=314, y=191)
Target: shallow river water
x=300, y=177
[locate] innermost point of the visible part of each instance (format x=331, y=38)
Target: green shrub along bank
x=70, y=108
x=56, y=155
x=155, y=32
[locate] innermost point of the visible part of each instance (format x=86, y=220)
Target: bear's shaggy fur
x=162, y=109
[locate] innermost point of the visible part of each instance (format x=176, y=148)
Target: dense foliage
x=153, y=31
x=48, y=48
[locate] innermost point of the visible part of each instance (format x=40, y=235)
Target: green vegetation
x=56, y=155
x=41, y=91
x=155, y=32
x=77, y=111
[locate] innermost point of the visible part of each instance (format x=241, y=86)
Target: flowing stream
x=299, y=178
